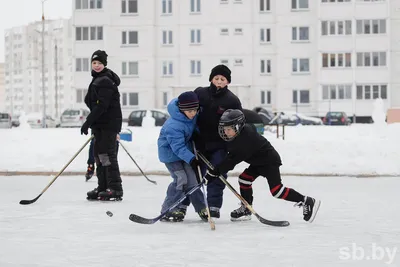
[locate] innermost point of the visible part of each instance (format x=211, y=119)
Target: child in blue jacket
x=176, y=152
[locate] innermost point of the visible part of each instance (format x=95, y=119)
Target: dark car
x=254, y=118
x=265, y=114
x=336, y=118
x=136, y=117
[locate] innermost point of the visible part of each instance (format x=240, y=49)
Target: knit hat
x=101, y=56
x=188, y=100
x=221, y=70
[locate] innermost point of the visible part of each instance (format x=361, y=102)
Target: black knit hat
x=101, y=56
x=221, y=70
x=188, y=101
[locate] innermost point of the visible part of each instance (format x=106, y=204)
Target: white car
x=73, y=117
x=35, y=121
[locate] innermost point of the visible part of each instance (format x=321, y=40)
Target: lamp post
x=43, y=81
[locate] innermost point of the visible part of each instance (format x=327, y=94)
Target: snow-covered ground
x=319, y=150
x=357, y=226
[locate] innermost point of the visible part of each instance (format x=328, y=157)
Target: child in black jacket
x=245, y=144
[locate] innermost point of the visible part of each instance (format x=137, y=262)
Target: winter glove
x=195, y=163
x=85, y=128
x=211, y=175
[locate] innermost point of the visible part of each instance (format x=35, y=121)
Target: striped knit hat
x=188, y=100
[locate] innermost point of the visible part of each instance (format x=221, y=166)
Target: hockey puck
x=109, y=213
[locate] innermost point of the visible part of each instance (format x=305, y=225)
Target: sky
x=12, y=14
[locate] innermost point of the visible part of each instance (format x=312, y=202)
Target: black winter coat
x=251, y=147
x=103, y=100
x=213, y=103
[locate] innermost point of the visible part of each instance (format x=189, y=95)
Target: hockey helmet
x=233, y=118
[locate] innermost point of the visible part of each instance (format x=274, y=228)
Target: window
x=371, y=91
x=80, y=95
x=166, y=7
x=195, y=36
x=371, y=59
x=333, y=1
x=265, y=97
x=300, y=33
x=336, y=91
x=336, y=60
x=238, y=62
x=130, y=68
x=225, y=62
x=86, y=4
x=195, y=67
x=341, y=27
x=300, y=96
x=130, y=99
x=82, y=64
x=130, y=37
x=224, y=31
x=265, y=5
x=374, y=26
x=371, y=1
x=238, y=31
x=265, y=36
x=299, y=4
x=167, y=68
x=195, y=6
x=129, y=6
x=300, y=65
x=165, y=99
x=265, y=66
x=89, y=33
x=167, y=38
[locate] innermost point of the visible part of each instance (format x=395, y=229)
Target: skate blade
x=241, y=219
x=315, y=210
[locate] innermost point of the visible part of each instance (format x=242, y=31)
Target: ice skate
x=203, y=215
x=214, y=212
x=89, y=172
x=241, y=214
x=310, y=208
x=173, y=216
x=111, y=195
x=93, y=195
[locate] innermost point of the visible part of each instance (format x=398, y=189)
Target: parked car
x=35, y=121
x=336, y=118
x=265, y=114
x=136, y=117
x=254, y=118
x=293, y=118
x=15, y=121
x=5, y=120
x=73, y=117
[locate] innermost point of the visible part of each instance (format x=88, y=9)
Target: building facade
x=2, y=88
x=300, y=55
x=23, y=68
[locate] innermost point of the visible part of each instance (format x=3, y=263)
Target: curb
x=164, y=173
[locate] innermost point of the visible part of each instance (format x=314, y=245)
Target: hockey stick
x=139, y=219
x=210, y=220
x=27, y=202
x=137, y=165
x=248, y=206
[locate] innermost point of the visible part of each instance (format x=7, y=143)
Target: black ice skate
x=214, y=212
x=174, y=216
x=241, y=214
x=89, y=172
x=310, y=208
x=93, y=195
x=203, y=215
x=111, y=195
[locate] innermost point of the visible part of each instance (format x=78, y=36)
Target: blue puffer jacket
x=174, y=141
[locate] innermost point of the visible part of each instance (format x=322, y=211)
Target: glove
x=85, y=128
x=194, y=163
x=211, y=175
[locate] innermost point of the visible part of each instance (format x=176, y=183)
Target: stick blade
x=138, y=219
x=27, y=202
x=272, y=223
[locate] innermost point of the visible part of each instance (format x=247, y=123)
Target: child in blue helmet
x=176, y=152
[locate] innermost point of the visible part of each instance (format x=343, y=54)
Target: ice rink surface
x=357, y=225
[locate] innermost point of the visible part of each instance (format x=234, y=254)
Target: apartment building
x=300, y=55
x=23, y=68
x=2, y=88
